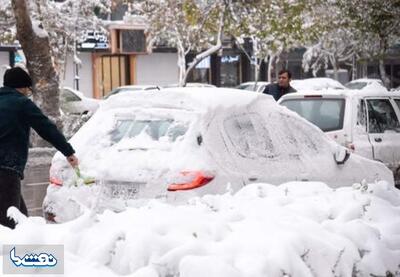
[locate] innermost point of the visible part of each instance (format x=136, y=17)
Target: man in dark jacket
x=17, y=115
x=277, y=90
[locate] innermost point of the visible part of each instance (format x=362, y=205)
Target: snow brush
x=85, y=179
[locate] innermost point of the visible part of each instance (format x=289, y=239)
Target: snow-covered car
x=191, y=85
x=365, y=121
x=366, y=84
x=299, y=85
x=74, y=102
x=396, y=89
x=252, y=86
x=186, y=142
x=132, y=88
x=319, y=83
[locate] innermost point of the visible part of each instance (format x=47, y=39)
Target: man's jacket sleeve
x=46, y=128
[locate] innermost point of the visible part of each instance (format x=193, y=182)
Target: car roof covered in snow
x=190, y=98
x=367, y=80
x=318, y=83
x=345, y=93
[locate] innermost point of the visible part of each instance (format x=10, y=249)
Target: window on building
x=201, y=73
x=230, y=70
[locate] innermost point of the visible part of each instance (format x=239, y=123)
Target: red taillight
x=55, y=181
x=192, y=180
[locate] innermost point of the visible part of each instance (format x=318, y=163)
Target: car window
x=381, y=116
x=327, y=114
x=120, y=129
x=397, y=102
x=298, y=136
x=69, y=96
x=261, y=88
x=152, y=88
x=154, y=128
x=248, y=136
x=113, y=92
x=250, y=87
x=245, y=86
x=356, y=85
x=285, y=138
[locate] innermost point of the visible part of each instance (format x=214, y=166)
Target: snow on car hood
x=299, y=228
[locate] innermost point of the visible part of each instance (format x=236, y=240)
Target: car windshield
x=245, y=86
x=356, y=85
x=251, y=87
x=68, y=96
x=155, y=130
x=327, y=114
x=119, y=90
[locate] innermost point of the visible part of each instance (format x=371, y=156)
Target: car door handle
x=253, y=179
x=378, y=139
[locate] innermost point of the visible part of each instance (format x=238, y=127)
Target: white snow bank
x=295, y=229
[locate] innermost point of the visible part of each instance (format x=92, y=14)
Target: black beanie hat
x=16, y=77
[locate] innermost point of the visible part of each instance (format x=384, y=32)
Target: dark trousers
x=10, y=195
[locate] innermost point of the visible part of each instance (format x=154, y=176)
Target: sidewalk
x=36, y=178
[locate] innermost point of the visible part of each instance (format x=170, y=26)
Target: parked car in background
x=74, y=102
x=299, y=85
x=319, y=83
x=366, y=84
x=191, y=85
x=185, y=142
x=132, y=88
x=253, y=86
x=396, y=89
x=367, y=122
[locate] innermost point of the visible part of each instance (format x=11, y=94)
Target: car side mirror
x=341, y=155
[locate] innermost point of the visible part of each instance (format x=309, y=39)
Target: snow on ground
x=295, y=229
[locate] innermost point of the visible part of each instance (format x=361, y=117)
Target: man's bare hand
x=73, y=160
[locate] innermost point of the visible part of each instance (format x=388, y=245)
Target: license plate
x=122, y=190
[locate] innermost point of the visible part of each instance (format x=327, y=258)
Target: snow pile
x=295, y=229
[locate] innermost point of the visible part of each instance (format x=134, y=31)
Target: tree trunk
x=354, y=68
x=335, y=71
x=270, y=62
x=181, y=64
x=382, y=71
x=333, y=61
x=383, y=47
x=257, y=66
x=211, y=50
x=36, y=46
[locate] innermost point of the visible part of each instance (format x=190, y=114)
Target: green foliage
x=275, y=25
x=375, y=22
x=191, y=12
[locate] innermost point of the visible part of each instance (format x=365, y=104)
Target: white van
x=367, y=122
